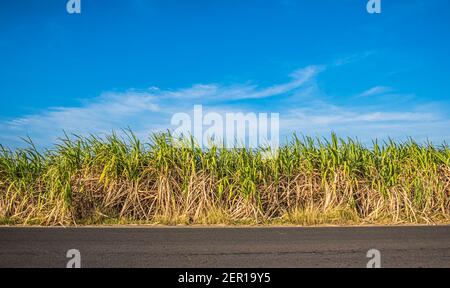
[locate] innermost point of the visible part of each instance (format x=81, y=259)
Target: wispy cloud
x=211, y=92
x=143, y=111
x=308, y=110
x=377, y=90
x=352, y=58
x=365, y=125
x=107, y=112
x=335, y=118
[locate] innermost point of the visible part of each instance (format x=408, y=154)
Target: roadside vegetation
x=115, y=180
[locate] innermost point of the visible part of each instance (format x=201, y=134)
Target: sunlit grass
x=92, y=180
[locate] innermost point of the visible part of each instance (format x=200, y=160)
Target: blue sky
x=323, y=65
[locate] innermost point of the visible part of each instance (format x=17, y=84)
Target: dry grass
x=310, y=182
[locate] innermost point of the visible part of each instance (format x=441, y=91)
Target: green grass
x=113, y=180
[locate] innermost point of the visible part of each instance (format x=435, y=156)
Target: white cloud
x=213, y=92
x=377, y=90
x=103, y=114
x=344, y=117
x=321, y=119
x=352, y=58
x=299, y=78
x=308, y=110
x=143, y=111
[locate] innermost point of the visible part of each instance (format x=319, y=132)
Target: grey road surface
x=226, y=247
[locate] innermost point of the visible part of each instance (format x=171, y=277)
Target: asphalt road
x=226, y=247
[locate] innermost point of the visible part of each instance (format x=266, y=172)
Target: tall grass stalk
x=92, y=180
